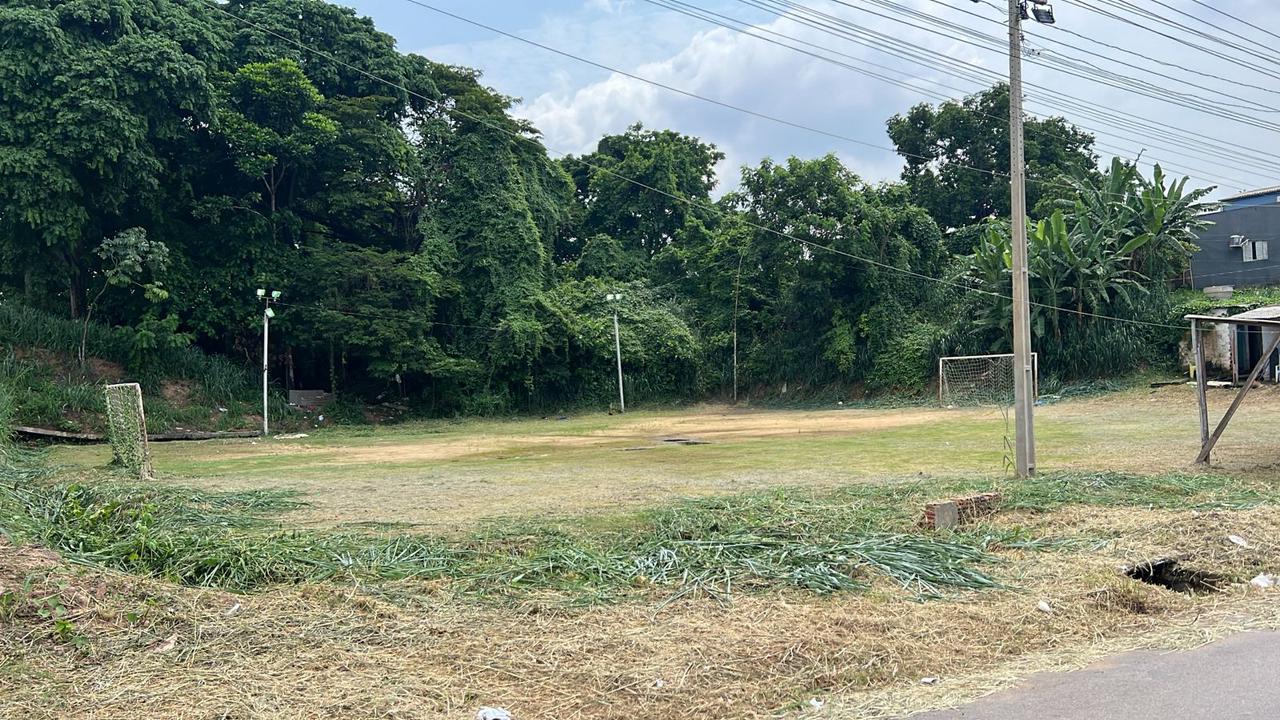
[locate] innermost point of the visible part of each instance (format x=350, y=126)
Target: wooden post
x=1197, y=346
x=1248, y=384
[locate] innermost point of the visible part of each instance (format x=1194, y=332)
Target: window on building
x=1255, y=250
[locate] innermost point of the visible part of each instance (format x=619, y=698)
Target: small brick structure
x=955, y=511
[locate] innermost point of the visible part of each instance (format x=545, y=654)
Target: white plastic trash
x=1263, y=581
x=1237, y=540
x=488, y=713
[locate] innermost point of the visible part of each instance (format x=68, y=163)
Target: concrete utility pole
x=1024, y=370
x=617, y=348
x=267, y=314
x=1024, y=424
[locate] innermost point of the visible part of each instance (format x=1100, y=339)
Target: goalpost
x=127, y=429
x=980, y=379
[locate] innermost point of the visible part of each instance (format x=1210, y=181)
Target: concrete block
x=942, y=515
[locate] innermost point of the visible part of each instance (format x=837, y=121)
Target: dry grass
x=414, y=650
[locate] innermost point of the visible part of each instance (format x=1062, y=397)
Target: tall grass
x=219, y=380
x=48, y=388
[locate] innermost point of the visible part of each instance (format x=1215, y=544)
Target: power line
x=1215, y=26
x=1198, y=72
x=791, y=123
x=901, y=11
x=1237, y=19
x=1182, y=41
x=708, y=16
x=679, y=198
x=1152, y=15
x=731, y=106
x=880, y=41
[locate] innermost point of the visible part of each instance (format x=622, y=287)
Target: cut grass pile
x=224, y=540
x=829, y=542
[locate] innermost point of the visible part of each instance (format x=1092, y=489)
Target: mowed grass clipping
x=822, y=542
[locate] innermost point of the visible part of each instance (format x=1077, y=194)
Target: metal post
x=1024, y=428
x=1201, y=381
x=266, y=326
x=617, y=347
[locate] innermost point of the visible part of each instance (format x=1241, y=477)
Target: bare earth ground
x=449, y=476
x=418, y=650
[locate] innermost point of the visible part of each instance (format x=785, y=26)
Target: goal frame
x=1035, y=371
x=143, y=450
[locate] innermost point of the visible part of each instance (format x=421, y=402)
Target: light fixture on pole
x=617, y=348
x=267, y=314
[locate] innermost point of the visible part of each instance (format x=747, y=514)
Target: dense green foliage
x=162, y=159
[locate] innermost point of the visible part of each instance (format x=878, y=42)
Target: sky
x=574, y=103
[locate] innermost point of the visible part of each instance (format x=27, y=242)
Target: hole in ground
x=1170, y=573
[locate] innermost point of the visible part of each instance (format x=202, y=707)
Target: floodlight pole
x=1024, y=424
x=266, y=297
x=617, y=349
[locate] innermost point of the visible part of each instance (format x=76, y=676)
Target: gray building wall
x=1217, y=263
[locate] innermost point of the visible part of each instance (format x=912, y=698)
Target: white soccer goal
x=127, y=429
x=980, y=380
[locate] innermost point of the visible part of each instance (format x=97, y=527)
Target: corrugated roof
x=1268, y=312
x=1253, y=193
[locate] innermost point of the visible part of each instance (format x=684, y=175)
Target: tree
x=95, y=104
x=641, y=187
x=268, y=116
x=957, y=156
x=825, y=297
x=128, y=259
x=1107, y=253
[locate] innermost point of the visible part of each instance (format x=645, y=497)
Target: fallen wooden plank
x=59, y=434
x=152, y=437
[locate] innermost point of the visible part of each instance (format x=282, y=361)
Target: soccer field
x=451, y=474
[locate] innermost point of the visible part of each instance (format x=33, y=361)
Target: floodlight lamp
x=261, y=292
x=1022, y=11
x=275, y=294
x=1043, y=13
x=271, y=313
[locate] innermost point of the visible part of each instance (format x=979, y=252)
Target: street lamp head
x=1043, y=12
x=271, y=313
x=612, y=297
x=261, y=292
x=275, y=294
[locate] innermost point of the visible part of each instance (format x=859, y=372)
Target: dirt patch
x=106, y=370
x=177, y=392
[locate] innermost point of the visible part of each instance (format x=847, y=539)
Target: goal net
x=127, y=429
x=980, y=380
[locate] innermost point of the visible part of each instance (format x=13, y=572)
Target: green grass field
x=451, y=474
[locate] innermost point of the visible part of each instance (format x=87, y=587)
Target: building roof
x=1274, y=189
x=1267, y=312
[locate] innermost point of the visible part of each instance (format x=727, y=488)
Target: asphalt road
x=1238, y=677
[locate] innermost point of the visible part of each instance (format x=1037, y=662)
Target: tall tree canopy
x=957, y=156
